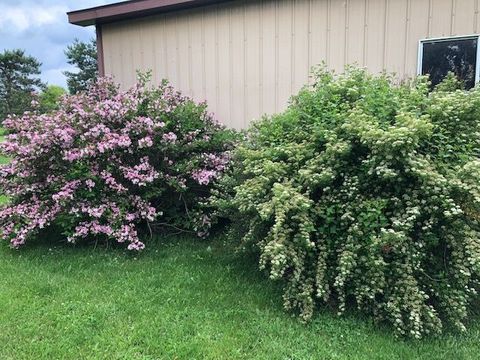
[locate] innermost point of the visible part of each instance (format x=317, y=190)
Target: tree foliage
x=49, y=98
x=366, y=194
x=82, y=55
x=18, y=82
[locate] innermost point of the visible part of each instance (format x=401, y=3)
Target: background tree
x=50, y=97
x=83, y=55
x=18, y=82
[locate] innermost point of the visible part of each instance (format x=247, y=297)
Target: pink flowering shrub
x=109, y=161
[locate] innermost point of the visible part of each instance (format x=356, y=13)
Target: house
x=247, y=57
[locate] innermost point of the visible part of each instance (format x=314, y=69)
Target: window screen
x=459, y=56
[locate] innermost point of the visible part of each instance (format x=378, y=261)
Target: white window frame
x=449, y=38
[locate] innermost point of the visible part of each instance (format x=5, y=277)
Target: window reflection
x=458, y=56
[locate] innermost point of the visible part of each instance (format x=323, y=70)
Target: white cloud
x=55, y=76
x=25, y=17
x=41, y=28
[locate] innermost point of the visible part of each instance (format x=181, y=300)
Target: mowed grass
x=180, y=299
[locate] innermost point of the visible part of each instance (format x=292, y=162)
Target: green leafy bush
x=365, y=193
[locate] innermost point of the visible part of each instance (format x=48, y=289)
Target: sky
x=41, y=28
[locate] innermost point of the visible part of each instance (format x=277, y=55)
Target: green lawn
x=180, y=299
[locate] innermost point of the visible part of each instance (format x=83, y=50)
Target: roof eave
x=131, y=9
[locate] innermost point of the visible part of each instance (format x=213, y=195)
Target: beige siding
x=246, y=57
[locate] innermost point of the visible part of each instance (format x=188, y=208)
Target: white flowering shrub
x=110, y=162
x=365, y=194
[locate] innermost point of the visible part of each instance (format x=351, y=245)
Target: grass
x=180, y=299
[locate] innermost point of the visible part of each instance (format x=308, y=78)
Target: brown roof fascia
x=131, y=9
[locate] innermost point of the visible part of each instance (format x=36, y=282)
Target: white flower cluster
x=366, y=194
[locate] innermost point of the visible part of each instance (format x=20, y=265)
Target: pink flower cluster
x=107, y=162
x=140, y=174
x=212, y=168
x=170, y=137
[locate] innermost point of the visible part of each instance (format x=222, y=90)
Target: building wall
x=247, y=57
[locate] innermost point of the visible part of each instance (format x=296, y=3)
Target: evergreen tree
x=18, y=82
x=83, y=55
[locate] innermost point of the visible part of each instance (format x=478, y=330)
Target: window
x=460, y=55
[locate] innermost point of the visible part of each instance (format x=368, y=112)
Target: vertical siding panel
x=395, y=36
x=293, y=49
x=260, y=58
x=204, y=68
x=301, y=38
x=309, y=41
x=452, y=16
x=269, y=81
x=136, y=51
x=417, y=30
x=245, y=84
x=238, y=64
x=187, y=27
x=124, y=55
x=477, y=16
x=441, y=17
x=464, y=17
x=148, y=46
x=452, y=5
x=407, y=36
x=118, y=56
x=128, y=65
x=196, y=56
x=347, y=25
x=171, y=50
x=337, y=35
x=356, y=32
x=166, y=58
x=230, y=64
x=109, y=42
x=247, y=57
x=375, y=38
x=329, y=30
x=430, y=15
x=183, y=50
x=223, y=48
x=139, y=52
x=252, y=55
x=217, y=62
x=159, y=46
x=209, y=21
x=277, y=56
x=121, y=75
x=318, y=25
x=385, y=34
x=365, y=32
x=284, y=53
